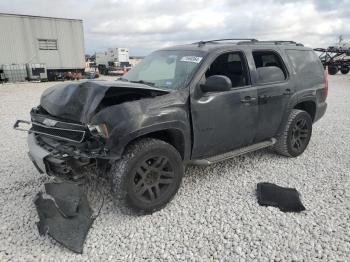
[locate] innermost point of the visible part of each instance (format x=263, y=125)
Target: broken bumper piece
x=37, y=154
x=66, y=215
x=286, y=199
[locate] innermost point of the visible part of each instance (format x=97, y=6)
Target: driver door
x=227, y=120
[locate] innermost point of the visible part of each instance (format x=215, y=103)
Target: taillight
x=326, y=83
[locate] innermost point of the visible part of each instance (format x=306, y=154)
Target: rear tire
x=148, y=175
x=296, y=134
x=345, y=70
x=332, y=70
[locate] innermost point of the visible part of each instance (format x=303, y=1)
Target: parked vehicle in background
x=115, y=61
x=192, y=104
x=103, y=69
x=335, y=58
x=91, y=71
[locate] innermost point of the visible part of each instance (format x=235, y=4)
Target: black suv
x=192, y=104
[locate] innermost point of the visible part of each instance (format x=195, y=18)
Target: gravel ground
x=215, y=215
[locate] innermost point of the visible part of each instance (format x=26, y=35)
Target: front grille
x=60, y=133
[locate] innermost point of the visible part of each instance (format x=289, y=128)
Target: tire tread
x=281, y=146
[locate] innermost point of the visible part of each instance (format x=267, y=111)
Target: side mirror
x=217, y=83
x=270, y=74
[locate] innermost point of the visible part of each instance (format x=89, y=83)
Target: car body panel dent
x=130, y=120
x=79, y=101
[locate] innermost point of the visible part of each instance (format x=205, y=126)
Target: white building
x=56, y=42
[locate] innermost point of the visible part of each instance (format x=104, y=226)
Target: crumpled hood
x=79, y=101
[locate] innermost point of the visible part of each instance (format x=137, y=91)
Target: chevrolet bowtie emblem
x=49, y=122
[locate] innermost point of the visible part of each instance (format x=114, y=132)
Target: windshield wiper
x=123, y=79
x=143, y=82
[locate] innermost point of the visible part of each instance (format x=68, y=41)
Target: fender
x=130, y=120
x=291, y=104
x=119, y=143
x=294, y=100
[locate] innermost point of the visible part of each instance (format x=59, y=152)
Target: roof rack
x=201, y=43
x=249, y=41
x=276, y=42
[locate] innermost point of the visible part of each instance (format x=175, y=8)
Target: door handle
x=248, y=99
x=287, y=92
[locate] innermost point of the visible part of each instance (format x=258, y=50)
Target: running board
x=234, y=153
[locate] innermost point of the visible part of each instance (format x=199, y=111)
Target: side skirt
x=234, y=153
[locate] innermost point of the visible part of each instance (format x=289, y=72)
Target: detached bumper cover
x=37, y=154
x=66, y=216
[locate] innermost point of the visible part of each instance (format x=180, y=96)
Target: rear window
x=305, y=63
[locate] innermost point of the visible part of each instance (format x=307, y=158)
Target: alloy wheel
x=300, y=134
x=152, y=178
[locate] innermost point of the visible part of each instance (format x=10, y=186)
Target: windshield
x=165, y=69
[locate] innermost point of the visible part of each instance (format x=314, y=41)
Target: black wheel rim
x=153, y=178
x=300, y=134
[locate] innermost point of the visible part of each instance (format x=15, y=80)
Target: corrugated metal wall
x=19, y=41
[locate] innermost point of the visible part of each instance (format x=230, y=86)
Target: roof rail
x=276, y=42
x=249, y=41
x=201, y=43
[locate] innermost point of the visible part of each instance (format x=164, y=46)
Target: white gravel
x=215, y=215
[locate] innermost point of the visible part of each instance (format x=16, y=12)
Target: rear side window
x=305, y=63
x=268, y=58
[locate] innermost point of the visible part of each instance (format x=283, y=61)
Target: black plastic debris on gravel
x=65, y=215
x=286, y=199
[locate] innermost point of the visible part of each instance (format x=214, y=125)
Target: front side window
x=166, y=69
x=231, y=65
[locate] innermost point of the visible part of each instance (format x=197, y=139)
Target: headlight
x=98, y=130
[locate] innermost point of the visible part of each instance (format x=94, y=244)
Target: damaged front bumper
x=37, y=154
x=58, y=155
x=54, y=163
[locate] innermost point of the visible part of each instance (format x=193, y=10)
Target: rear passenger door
x=272, y=96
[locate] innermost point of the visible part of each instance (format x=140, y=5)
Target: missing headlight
x=98, y=130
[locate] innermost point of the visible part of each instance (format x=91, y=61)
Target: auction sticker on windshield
x=192, y=59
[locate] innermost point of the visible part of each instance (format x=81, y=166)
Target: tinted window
x=268, y=58
x=231, y=65
x=305, y=63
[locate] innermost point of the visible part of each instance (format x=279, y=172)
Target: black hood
x=79, y=101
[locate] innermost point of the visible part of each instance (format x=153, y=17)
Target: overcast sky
x=147, y=25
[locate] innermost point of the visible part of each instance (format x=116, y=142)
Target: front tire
x=296, y=134
x=148, y=175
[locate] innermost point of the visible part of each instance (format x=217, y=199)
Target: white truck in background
x=113, y=61
x=119, y=55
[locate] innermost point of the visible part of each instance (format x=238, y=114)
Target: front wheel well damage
x=173, y=137
x=307, y=106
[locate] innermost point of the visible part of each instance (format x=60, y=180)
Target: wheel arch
x=171, y=136
x=306, y=103
x=175, y=133
x=308, y=106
